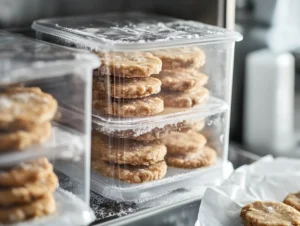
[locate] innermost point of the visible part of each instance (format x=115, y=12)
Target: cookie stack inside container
x=124, y=87
x=25, y=120
x=183, y=87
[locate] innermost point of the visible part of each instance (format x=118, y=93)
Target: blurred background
x=266, y=88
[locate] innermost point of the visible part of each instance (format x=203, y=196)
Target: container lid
x=22, y=59
x=131, y=31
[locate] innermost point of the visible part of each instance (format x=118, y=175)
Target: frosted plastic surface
x=24, y=59
x=70, y=210
x=132, y=30
x=58, y=146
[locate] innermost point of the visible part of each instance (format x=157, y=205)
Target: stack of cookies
x=124, y=87
x=26, y=191
x=25, y=120
x=182, y=82
x=183, y=87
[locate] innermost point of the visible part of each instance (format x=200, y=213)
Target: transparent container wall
x=129, y=159
x=71, y=160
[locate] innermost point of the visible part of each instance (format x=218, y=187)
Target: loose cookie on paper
x=184, y=142
x=126, y=88
x=269, y=214
x=198, y=95
x=23, y=108
x=29, y=191
x=21, y=139
x=130, y=107
x=125, y=151
x=293, y=200
x=131, y=174
x=184, y=57
x=25, y=172
x=181, y=79
x=38, y=208
x=129, y=64
x=202, y=158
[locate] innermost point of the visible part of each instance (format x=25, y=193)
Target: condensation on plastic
x=132, y=31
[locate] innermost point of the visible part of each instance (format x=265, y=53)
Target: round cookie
x=21, y=139
x=130, y=107
x=293, y=200
x=181, y=80
x=25, y=172
x=184, y=142
x=127, y=88
x=128, y=64
x=40, y=207
x=131, y=174
x=184, y=57
x=269, y=214
x=124, y=151
x=201, y=158
x=23, y=108
x=199, y=95
x=29, y=191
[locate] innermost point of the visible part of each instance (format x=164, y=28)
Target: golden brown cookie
x=130, y=107
x=22, y=139
x=127, y=88
x=29, y=191
x=269, y=214
x=293, y=200
x=131, y=174
x=201, y=158
x=188, y=99
x=129, y=64
x=23, y=108
x=125, y=151
x=181, y=79
x=184, y=142
x=184, y=57
x=39, y=207
x=196, y=125
x=25, y=172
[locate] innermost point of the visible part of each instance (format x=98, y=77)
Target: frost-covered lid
x=132, y=31
x=22, y=58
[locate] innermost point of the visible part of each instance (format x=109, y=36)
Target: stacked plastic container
x=161, y=100
x=44, y=143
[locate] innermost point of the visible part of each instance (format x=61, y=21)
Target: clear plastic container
x=44, y=144
x=164, y=86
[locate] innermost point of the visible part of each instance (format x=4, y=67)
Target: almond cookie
x=125, y=151
x=29, y=191
x=131, y=174
x=201, y=158
x=269, y=214
x=129, y=64
x=130, y=107
x=23, y=108
x=25, y=172
x=293, y=200
x=181, y=79
x=182, y=143
x=188, y=99
x=40, y=207
x=22, y=139
x=184, y=57
x=127, y=88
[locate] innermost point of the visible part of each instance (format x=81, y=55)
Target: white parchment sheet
x=268, y=179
